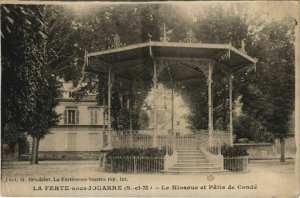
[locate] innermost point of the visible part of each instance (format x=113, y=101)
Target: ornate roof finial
x=243, y=45
x=164, y=38
x=190, y=37
x=117, y=42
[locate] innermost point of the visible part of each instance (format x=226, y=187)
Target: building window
x=71, y=95
x=71, y=141
x=71, y=116
x=178, y=123
x=94, y=114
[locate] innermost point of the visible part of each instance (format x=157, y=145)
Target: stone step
x=192, y=161
x=179, y=172
x=186, y=148
x=190, y=157
x=190, y=154
x=208, y=168
x=202, y=164
x=186, y=151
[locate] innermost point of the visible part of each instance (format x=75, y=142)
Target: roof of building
x=176, y=60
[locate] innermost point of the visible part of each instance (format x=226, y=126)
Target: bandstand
x=162, y=61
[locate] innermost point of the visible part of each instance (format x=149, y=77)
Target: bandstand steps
x=193, y=164
x=189, y=161
x=188, y=153
x=187, y=149
x=206, y=168
x=192, y=160
x=192, y=172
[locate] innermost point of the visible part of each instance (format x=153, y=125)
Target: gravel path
x=265, y=179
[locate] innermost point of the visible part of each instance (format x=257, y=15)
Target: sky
x=270, y=10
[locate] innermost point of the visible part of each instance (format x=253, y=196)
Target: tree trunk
x=37, y=151
x=282, y=150
x=34, y=152
x=2, y=147
x=3, y=124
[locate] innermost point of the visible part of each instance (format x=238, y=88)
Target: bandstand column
x=109, y=86
x=154, y=104
x=210, y=115
x=130, y=114
x=230, y=109
x=130, y=117
x=172, y=107
x=103, y=114
x=130, y=96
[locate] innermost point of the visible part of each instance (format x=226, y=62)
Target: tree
x=252, y=129
x=12, y=136
x=97, y=33
x=22, y=58
x=275, y=81
x=20, y=63
x=222, y=25
x=64, y=54
x=29, y=91
x=44, y=116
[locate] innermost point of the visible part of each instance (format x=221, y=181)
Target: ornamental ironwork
x=190, y=37
x=243, y=46
x=162, y=64
x=225, y=56
x=117, y=42
x=164, y=37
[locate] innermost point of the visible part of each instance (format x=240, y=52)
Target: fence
x=135, y=164
x=215, y=150
x=132, y=139
x=144, y=138
x=236, y=164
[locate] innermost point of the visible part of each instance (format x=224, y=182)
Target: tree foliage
x=268, y=95
x=220, y=26
x=55, y=38
x=29, y=91
x=21, y=62
x=252, y=129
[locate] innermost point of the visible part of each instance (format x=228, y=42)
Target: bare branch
x=65, y=60
x=55, y=71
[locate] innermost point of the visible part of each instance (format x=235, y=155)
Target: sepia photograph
x=151, y=99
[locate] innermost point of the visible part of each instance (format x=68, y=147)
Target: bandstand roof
x=178, y=61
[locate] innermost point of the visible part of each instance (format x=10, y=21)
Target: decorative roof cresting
x=190, y=37
x=117, y=42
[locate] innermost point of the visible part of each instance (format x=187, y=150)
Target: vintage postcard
x=156, y=99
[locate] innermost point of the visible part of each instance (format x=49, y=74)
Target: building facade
x=164, y=111
x=79, y=132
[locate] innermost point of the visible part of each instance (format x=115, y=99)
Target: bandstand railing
x=170, y=141
x=144, y=139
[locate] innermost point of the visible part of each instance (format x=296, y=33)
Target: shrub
x=136, y=152
x=250, y=128
x=233, y=151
